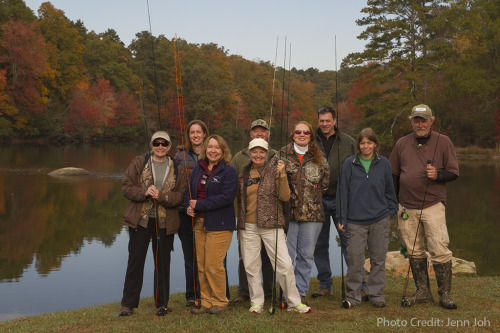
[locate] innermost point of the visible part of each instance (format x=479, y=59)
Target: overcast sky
x=246, y=28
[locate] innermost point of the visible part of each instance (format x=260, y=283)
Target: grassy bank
x=478, y=300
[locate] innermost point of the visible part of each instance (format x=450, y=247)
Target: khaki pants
x=433, y=226
x=250, y=244
x=211, y=249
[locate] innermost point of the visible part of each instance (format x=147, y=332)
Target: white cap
x=258, y=143
x=160, y=135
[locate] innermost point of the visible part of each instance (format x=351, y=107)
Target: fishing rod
x=272, y=310
x=159, y=311
x=345, y=303
x=184, y=138
x=283, y=304
x=405, y=303
x=272, y=93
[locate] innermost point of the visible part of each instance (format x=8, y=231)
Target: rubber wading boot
x=421, y=278
x=443, y=277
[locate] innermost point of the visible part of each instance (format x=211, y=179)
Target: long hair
x=370, y=135
x=312, y=147
x=204, y=128
x=226, y=153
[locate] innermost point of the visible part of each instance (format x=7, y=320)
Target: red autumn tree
x=92, y=108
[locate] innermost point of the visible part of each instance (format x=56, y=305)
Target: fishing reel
x=160, y=312
x=405, y=303
x=346, y=304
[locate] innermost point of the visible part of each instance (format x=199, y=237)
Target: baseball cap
x=422, y=111
x=258, y=143
x=160, y=135
x=259, y=122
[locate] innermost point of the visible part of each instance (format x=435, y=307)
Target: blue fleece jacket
x=365, y=198
x=221, y=189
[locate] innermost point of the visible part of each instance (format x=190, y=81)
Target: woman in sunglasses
x=262, y=188
x=154, y=184
x=307, y=172
x=210, y=200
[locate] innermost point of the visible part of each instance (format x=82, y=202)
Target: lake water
x=62, y=244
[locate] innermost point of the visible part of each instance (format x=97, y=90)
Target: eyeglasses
x=299, y=132
x=203, y=180
x=252, y=181
x=161, y=143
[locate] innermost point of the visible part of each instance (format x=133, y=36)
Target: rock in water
x=70, y=171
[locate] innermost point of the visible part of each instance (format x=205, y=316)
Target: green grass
x=475, y=150
x=477, y=298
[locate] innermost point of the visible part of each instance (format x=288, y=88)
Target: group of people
x=282, y=203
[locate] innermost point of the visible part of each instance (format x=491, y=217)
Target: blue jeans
x=301, y=241
x=321, y=252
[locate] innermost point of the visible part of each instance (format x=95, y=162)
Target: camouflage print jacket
x=308, y=181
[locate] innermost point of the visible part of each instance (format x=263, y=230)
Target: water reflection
x=61, y=238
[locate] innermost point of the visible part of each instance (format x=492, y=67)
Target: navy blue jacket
x=221, y=189
x=366, y=198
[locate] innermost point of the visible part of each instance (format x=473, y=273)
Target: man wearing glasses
x=258, y=129
x=336, y=147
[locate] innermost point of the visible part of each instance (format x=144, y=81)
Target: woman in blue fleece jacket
x=367, y=199
x=209, y=199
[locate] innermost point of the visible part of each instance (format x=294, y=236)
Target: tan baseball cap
x=422, y=111
x=258, y=143
x=160, y=135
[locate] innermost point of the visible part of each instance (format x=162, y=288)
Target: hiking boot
x=301, y=308
x=126, y=311
x=303, y=300
x=217, y=309
x=443, y=277
x=379, y=304
x=200, y=310
x=365, y=297
x=321, y=292
x=238, y=300
x=256, y=309
x=421, y=278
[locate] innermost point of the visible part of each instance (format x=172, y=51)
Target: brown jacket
x=267, y=197
x=308, y=181
x=132, y=190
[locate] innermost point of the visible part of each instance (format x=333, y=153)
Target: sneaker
x=163, y=310
x=365, y=297
x=301, y=308
x=238, y=300
x=217, y=309
x=126, y=311
x=256, y=309
x=321, y=292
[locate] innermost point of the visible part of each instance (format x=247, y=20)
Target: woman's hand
x=153, y=192
x=190, y=211
x=281, y=166
x=192, y=204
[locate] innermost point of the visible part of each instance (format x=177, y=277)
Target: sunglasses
x=161, y=143
x=203, y=181
x=252, y=181
x=299, y=132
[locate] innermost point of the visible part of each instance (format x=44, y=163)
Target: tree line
x=61, y=82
